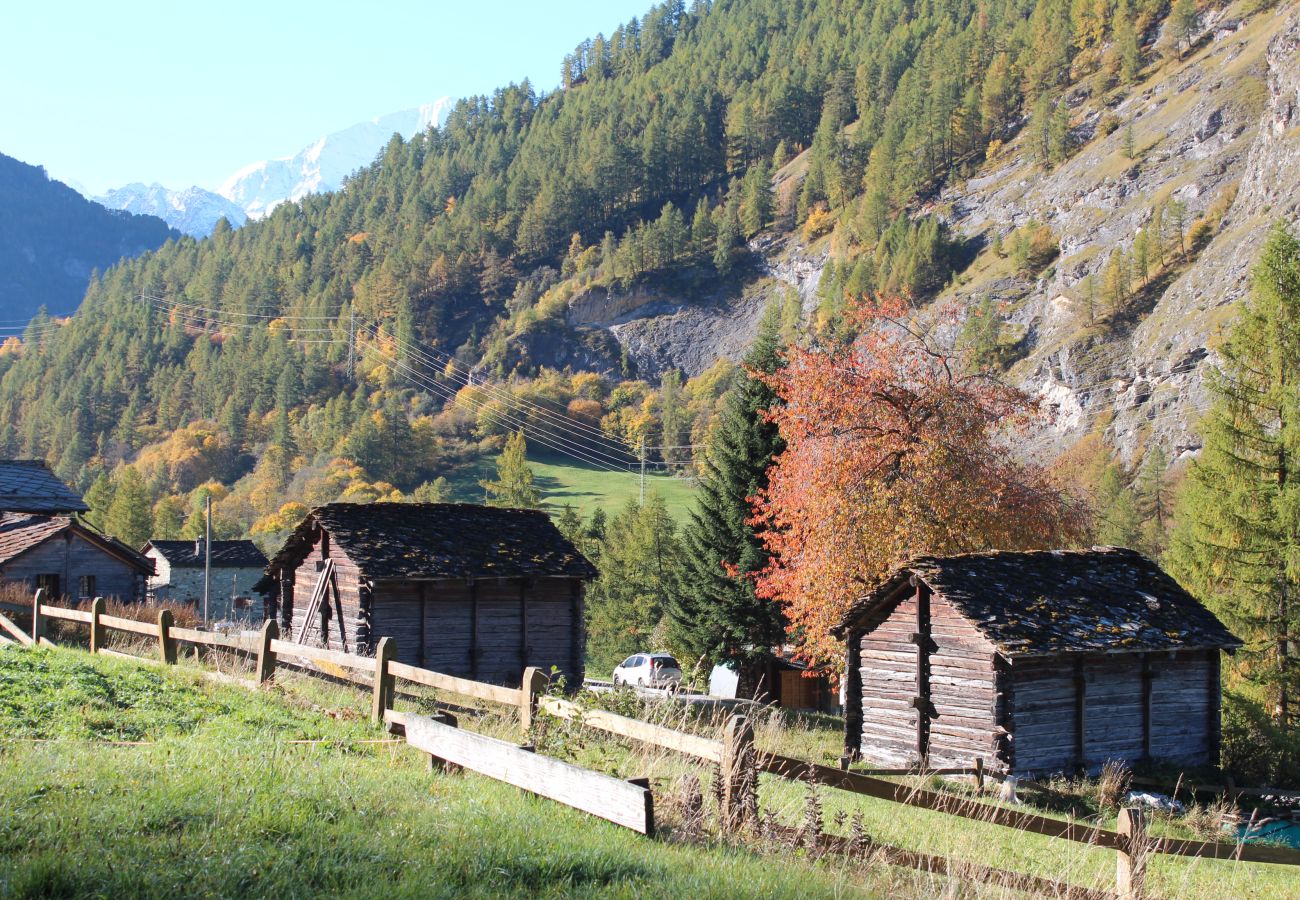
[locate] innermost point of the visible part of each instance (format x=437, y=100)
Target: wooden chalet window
x=86, y=587
x=50, y=584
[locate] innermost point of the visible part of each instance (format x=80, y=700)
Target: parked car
x=649, y=670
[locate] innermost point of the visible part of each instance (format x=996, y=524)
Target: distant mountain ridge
x=194, y=211
x=257, y=188
x=52, y=239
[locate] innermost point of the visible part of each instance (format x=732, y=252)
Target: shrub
x=819, y=222
x=1255, y=749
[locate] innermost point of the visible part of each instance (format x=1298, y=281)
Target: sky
x=186, y=93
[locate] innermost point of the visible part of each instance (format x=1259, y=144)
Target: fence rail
x=735, y=753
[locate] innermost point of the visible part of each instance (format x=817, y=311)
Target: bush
x=819, y=222
x=1255, y=749
x=1108, y=125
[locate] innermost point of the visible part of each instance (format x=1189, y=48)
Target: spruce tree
x=130, y=516
x=717, y=614
x=513, y=486
x=1236, y=543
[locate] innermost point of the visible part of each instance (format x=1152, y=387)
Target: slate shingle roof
x=26, y=485
x=1047, y=602
x=225, y=554
x=20, y=532
x=440, y=540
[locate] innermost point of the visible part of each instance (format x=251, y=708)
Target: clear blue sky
x=187, y=92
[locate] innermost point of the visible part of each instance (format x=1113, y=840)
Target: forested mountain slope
x=52, y=239
x=635, y=222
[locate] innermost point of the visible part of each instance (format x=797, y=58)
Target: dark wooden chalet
x=1038, y=662
x=68, y=559
x=473, y=591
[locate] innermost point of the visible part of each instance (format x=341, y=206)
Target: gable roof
x=22, y=532
x=27, y=485
x=439, y=540
x=225, y=554
x=1046, y=602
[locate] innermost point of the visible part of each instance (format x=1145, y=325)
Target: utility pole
x=207, y=560
x=643, y=470
x=352, y=344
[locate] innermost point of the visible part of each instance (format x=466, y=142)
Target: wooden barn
x=44, y=544
x=474, y=591
x=1038, y=662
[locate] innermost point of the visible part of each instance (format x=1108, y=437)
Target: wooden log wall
x=489, y=630
x=963, y=691
x=887, y=667
x=341, y=631
x=70, y=557
x=1076, y=712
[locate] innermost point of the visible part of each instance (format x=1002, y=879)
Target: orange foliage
x=892, y=452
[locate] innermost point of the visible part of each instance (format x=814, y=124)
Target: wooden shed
x=68, y=559
x=1038, y=662
x=475, y=591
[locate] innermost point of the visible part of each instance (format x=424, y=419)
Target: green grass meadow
x=586, y=488
x=121, y=780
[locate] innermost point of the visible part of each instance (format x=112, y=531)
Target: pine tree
x=99, y=498
x=1183, y=22
x=1237, y=539
x=129, y=518
x=1153, y=500
x=716, y=614
x=513, y=486
x=1118, y=523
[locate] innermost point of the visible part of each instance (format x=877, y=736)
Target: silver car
x=648, y=670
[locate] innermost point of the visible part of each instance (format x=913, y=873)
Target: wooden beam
x=739, y=807
x=38, y=623
x=96, y=627
x=131, y=625
x=604, y=796
x=637, y=730
x=382, y=696
x=1131, y=856
x=922, y=641
x=493, y=693
x=1080, y=717
x=424, y=618
x=1147, y=677
x=1214, y=705
x=265, y=655
x=523, y=624
x=473, y=634
x=530, y=690
x=577, y=636
x=166, y=643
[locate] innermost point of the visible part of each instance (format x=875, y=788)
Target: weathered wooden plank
x=493, y=693
x=317, y=654
x=690, y=744
x=17, y=634
x=149, y=629
x=62, y=612
x=604, y=796
x=213, y=639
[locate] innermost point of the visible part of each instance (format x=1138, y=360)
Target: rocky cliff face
x=1218, y=131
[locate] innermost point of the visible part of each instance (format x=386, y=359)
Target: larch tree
x=894, y=448
x=129, y=517
x=717, y=614
x=1236, y=540
x=513, y=486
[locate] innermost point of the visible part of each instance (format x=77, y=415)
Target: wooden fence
x=738, y=759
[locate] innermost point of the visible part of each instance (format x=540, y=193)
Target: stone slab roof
x=1048, y=602
x=439, y=540
x=27, y=485
x=225, y=554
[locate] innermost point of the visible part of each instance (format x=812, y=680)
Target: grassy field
x=583, y=487
x=211, y=798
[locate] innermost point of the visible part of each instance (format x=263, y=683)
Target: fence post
x=96, y=629
x=533, y=686
x=383, y=695
x=166, y=643
x=265, y=658
x=38, y=621
x=979, y=774
x=738, y=774
x=1131, y=857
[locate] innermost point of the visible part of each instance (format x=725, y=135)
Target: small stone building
x=473, y=591
x=1038, y=662
x=236, y=567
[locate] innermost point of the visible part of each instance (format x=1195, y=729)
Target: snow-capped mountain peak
x=193, y=211
x=321, y=166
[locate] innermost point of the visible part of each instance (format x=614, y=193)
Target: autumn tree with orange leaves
x=893, y=449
